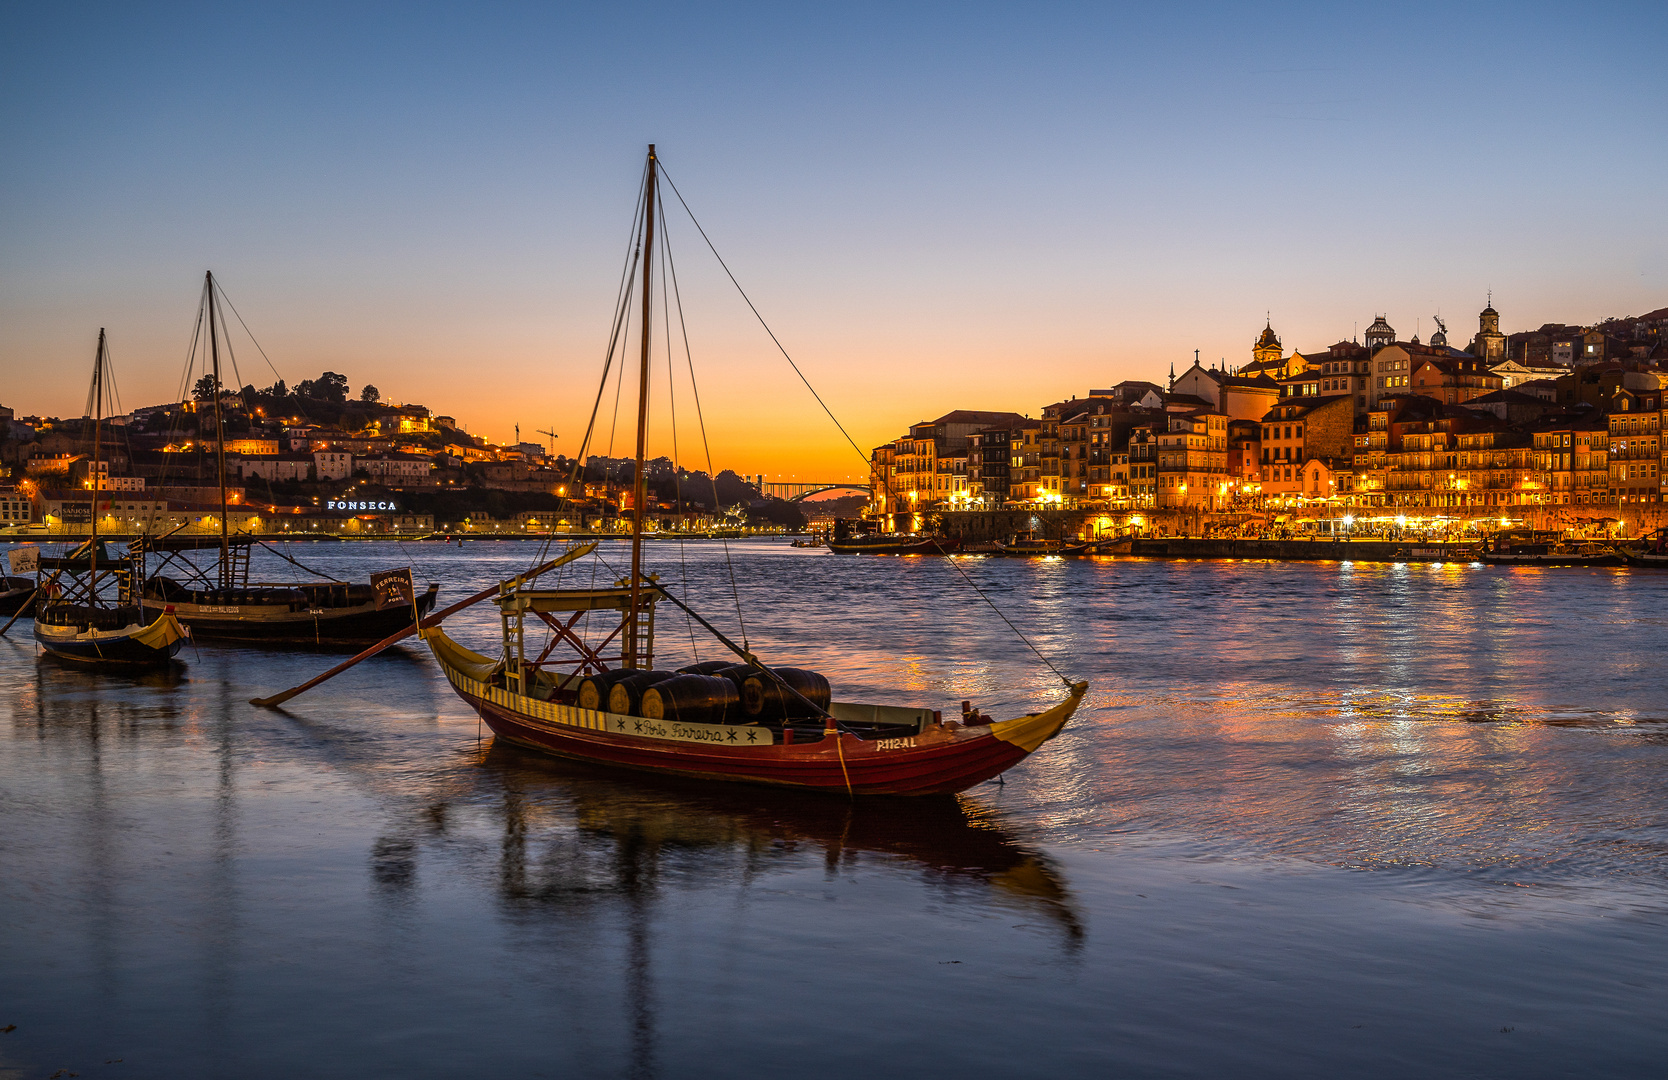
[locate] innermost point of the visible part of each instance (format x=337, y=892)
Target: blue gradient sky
x=955, y=206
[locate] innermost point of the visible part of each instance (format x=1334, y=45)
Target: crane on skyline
x=553, y=437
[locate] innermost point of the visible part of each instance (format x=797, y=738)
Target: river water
x=1313, y=820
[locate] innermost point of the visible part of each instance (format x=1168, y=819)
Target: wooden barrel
x=593, y=689
x=763, y=698
x=693, y=699
x=626, y=695
x=707, y=667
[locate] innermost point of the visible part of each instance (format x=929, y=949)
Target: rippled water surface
x=1313, y=820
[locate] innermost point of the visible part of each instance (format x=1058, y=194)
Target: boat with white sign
x=218, y=600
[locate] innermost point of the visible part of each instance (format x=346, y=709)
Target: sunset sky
x=935, y=206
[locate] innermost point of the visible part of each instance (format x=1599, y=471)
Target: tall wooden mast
x=639, y=484
x=219, y=433
x=92, y=477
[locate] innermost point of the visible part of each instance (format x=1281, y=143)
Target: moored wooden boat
x=1650, y=550
x=15, y=593
x=591, y=690
x=748, y=721
x=219, y=601
x=1023, y=547
x=329, y=613
x=896, y=544
x=73, y=619
x=1546, y=549
x=857, y=749
x=118, y=636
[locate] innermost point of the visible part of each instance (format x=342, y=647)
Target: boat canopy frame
x=548, y=605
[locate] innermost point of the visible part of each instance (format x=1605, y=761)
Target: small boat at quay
x=579, y=675
x=327, y=613
x=896, y=544
x=16, y=593
x=74, y=620
x=1542, y=548
x=1435, y=553
x=1032, y=546
x=1650, y=550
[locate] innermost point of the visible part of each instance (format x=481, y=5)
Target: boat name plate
x=615, y=723
x=723, y=734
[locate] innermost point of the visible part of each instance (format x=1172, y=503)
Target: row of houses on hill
x=1375, y=422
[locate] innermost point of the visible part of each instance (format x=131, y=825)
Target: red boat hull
x=941, y=759
x=941, y=771
x=885, y=545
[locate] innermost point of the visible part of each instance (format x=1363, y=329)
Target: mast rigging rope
x=777, y=342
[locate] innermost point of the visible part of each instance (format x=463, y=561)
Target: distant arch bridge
x=800, y=492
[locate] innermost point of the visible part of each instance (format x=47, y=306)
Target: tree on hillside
x=329, y=387
x=370, y=395
x=204, y=389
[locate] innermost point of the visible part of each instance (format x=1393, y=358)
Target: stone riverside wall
x=1340, y=550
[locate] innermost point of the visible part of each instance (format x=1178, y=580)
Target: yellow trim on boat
x=464, y=661
x=1030, y=732
x=162, y=633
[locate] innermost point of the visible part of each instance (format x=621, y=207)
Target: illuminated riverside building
x=1193, y=461
x=1495, y=467
x=1572, y=458
x=1379, y=423
x=928, y=467
x=1635, y=438
x=1304, y=427
x=988, y=468
x=1025, y=463
x=1143, y=465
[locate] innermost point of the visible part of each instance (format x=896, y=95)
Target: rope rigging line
x=706, y=446
x=191, y=354
x=176, y=420
x=777, y=342
x=761, y=319
x=231, y=356
x=222, y=291
x=622, y=304
x=672, y=411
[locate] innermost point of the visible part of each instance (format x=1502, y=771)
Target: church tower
x=1490, y=343
x=1379, y=334
x=1267, y=347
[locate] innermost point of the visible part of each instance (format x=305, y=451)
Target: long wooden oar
x=432, y=620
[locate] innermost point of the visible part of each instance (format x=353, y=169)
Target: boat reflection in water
x=644, y=874
x=631, y=825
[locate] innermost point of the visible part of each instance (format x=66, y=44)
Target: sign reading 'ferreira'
x=354, y=505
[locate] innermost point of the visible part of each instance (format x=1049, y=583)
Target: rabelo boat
x=600, y=697
x=74, y=619
x=218, y=600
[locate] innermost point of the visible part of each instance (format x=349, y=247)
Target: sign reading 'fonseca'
x=360, y=505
